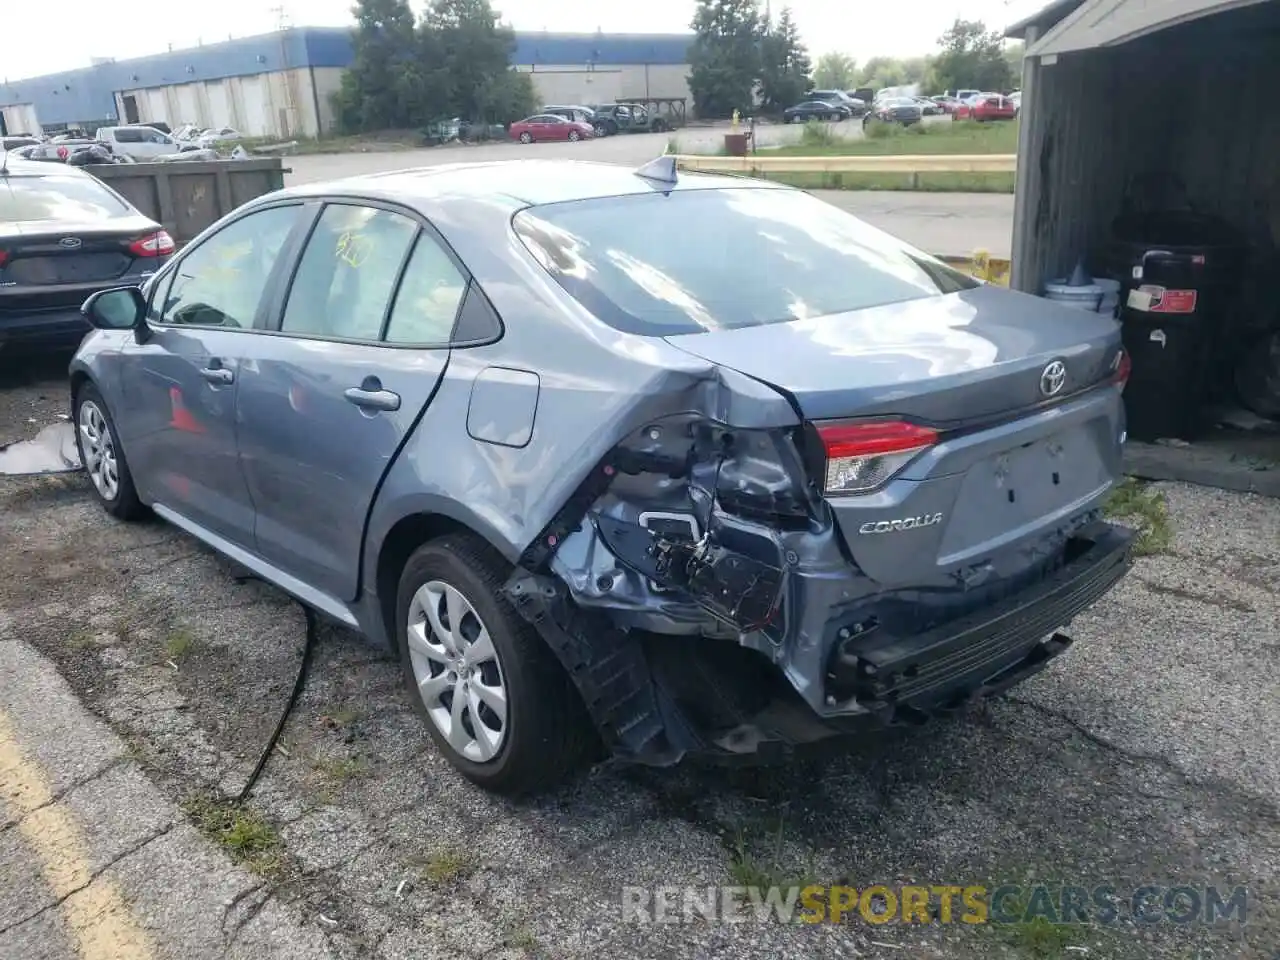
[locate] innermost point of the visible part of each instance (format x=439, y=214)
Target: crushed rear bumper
x=655, y=699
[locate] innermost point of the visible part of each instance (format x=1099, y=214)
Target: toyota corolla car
x=683, y=464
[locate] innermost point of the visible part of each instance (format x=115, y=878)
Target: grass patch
x=180, y=644
x=522, y=938
x=340, y=769
x=920, y=182
x=1145, y=509
x=340, y=718
x=761, y=871
x=893, y=139
x=1038, y=938
x=448, y=866
x=244, y=834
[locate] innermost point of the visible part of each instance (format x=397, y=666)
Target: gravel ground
x=1143, y=756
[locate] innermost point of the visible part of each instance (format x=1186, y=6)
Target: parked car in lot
x=549, y=126
x=957, y=109
x=563, y=435
x=853, y=105
x=993, y=107
x=212, y=137
x=611, y=118
x=816, y=110
x=64, y=234
x=140, y=142
x=928, y=107
x=903, y=110
x=577, y=114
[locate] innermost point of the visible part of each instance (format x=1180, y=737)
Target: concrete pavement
x=942, y=223
x=97, y=863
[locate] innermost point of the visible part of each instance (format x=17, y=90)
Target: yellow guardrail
x=983, y=266
x=922, y=163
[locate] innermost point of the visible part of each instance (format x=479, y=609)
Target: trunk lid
x=1012, y=464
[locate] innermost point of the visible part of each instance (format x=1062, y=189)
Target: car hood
x=937, y=357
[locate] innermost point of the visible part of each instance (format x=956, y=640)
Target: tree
x=784, y=64
x=373, y=90
x=835, y=71
x=724, y=60
x=972, y=58
x=474, y=56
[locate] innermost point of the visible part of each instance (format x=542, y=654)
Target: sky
x=47, y=36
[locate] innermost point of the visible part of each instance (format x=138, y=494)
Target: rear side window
x=59, y=198
x=126, y=135
x=697, y=260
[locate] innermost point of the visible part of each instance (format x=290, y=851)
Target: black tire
x=526, y=137
x=574, y=136
x=659, y=126
x=548, y=733
x=124, y=505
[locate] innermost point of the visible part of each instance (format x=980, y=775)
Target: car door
x=180, y=378
x=327, y=400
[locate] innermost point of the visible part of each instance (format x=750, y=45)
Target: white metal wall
x=275, y=104
x=21, y=118
x=574, y=83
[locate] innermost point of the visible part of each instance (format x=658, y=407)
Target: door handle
x=218, y=374
x=372, y=399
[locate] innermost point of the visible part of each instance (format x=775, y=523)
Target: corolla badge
x=1052, y=378
x=70, y=243
x=897, y=526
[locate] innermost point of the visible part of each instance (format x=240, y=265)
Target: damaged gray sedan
x=670, y=463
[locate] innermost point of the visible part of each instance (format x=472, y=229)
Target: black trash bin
x=1179, y=273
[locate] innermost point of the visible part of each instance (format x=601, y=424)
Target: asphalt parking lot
x=1145, y=756
x=941, y=223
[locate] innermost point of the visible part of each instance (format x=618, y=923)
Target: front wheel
x=526, y=137
x=99, y=447
x=574, y=136
x=494, y=698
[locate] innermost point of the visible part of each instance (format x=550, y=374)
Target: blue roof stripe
x=87, y=94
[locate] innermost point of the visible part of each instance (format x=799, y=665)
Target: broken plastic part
x=52, y=450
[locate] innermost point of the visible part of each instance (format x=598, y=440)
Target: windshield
x=58, y=198
x=698, y=260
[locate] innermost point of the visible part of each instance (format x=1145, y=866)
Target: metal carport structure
x=1119, y=89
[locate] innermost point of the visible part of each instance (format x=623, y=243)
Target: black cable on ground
x=303, y=669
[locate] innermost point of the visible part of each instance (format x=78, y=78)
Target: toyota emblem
x=1052, y=378
x=70, y=243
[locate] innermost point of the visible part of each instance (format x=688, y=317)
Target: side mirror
x=121, y=308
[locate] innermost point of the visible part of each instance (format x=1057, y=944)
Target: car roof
x=524, y=182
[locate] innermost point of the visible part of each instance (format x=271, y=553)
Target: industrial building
x=282, y=84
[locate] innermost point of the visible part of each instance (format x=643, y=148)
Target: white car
x=139, y=142
x=210, y=137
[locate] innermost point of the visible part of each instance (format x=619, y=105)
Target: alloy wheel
x=457, y=671
x=98, y=448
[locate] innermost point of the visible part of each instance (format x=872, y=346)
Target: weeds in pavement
x=340, y=717
x=180, y=644
x=1146, y=510
x=81, y=640
x=1038, y=938
x=749, y=870
x=447, y=866
x=340, y=769
x=246, y=836
x=522, y=938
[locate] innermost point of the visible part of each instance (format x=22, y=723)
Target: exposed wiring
x=299, y=682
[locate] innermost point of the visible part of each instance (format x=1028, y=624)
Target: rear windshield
x=58, y=198
x=698, y=260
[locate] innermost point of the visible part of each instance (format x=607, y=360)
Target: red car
x=547, y=126
x=955, y=108
x=993, y=108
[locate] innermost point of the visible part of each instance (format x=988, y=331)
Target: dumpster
x=735, y=144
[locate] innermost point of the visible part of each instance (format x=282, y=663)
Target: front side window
x=220, y=283
x=697, y=260
x=348, y=273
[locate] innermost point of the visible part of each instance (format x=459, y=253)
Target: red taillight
x=1124, y=366
x=4, y=255
x=62, y=153
x=158, y=244
x=862, y=456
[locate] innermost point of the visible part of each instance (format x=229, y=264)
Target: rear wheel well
x=408, y=534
